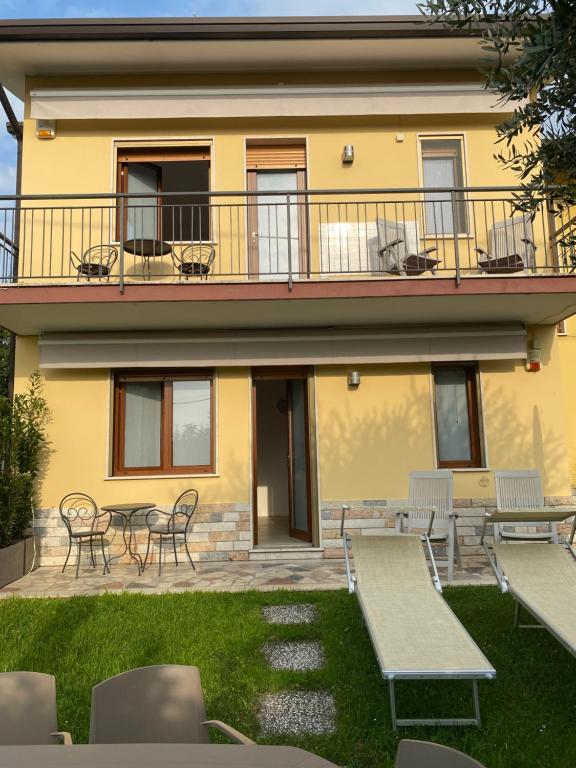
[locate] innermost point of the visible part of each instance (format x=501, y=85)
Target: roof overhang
x=143, y=46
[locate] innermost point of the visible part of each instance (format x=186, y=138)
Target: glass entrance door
x=298, y=460
x=276, y=239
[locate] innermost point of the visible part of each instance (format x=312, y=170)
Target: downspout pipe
x=14, y=127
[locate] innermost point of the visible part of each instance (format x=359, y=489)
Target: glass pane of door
x=299, y=512
x=438, y=172
x=190, y=423
x=143, y=403
x=142, y=212
x=274, y=241
x=453, y=424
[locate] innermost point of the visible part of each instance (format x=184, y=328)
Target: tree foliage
x=532, y=60
x=23, y=445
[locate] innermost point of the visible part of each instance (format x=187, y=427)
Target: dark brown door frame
x=303, y=229
x=287, y=374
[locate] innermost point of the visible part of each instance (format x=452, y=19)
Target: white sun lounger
x=540, y=576
x=415, y=635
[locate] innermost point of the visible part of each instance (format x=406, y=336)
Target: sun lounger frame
x=392, y=677
x=549, y=514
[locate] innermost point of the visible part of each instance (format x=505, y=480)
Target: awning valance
x=300, y=347
x=261, y=101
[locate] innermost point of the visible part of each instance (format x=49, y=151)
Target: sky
x=36, y=9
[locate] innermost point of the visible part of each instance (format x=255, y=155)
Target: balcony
x=372, y=256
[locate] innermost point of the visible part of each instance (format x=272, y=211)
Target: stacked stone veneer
x=374, y=515
x=218, y=532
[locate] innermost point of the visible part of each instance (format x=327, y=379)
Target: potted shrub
x=22, y=449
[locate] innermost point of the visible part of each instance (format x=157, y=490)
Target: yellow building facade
x=357, y=317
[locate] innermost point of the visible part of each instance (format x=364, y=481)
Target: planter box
x=16, y=560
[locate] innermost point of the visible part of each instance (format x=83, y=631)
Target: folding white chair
x=432, y=491
x=522, y=490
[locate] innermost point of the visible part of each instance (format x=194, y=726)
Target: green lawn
x=529, y=712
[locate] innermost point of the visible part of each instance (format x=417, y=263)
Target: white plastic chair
x=432, y=490
x=522, y=489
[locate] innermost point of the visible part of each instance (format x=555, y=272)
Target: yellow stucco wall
x=79, y=432
x=368, y=439
x=567, y=351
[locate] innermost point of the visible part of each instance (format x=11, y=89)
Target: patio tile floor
x=221, y=577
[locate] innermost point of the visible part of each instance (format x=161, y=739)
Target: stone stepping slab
x=301, y=613
x=294, y=656
x=297, y=713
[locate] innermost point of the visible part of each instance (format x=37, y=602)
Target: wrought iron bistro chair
x=169, y=525
x=195, y=260
x=85, y=525
x=95, y=262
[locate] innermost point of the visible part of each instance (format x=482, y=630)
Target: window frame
x=166, y=467
x=422, y=154
x=475, y=431
x=151, y=155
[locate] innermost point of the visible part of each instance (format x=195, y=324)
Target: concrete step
x=286, y=554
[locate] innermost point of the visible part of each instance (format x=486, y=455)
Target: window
x=457, y=416
x=163, y=423
x=442, y=166
x=156, y=170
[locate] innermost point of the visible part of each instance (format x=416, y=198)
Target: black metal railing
x=280, y=236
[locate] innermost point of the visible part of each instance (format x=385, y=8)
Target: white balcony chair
x=522, y=489
x=512, y=247
x=432, y=490
x=398, y=247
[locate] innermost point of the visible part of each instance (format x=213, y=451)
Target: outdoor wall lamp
x=45, y=129
x=534, y=359
x=354, y=379
x=348, y=154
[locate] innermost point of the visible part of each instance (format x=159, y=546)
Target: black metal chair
x=195, y=260
x=95, y=262
x=85, y=525
x=169, y=525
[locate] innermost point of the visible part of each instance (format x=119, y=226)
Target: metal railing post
x=456, y=244
x=121, y=245
x=289, y=228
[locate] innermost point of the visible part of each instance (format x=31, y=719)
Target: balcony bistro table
x=148, y=248
x=126, y=512
x=159, y=756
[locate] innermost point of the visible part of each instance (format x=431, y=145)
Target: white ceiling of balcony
x=19, y=59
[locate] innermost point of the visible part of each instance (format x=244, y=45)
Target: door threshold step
x=286, y=553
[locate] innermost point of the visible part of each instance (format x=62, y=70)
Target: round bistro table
x=126, y=512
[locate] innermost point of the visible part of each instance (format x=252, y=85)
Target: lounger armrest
x=426, y=251
x=63, y=736
x=528, y=241
x=482, y=252
x=227, y=730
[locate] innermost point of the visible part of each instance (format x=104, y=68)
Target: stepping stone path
x=295, y=712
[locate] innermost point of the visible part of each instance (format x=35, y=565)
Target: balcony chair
x=512, y=247
x=429, y=491
x=425, y=754
x=522, y=490
x=85, y=525
x=95, y=262
x=169, y=525
x=397, y=256
x=195, y=260
x=28, y=710
x=162, y=704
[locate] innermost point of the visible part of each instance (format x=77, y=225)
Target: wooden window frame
x=166, y=466
x=474, y=426
x=126, y=156
x=458, y=162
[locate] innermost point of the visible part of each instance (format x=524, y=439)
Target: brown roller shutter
x=162, y=154
x=275, y=156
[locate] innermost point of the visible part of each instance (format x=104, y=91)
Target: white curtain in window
x=143, y=404
x=142, y=212
x=190, y=423
x=452, y=422
x=438, y=172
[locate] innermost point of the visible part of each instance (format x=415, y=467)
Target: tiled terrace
x=208, y=577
